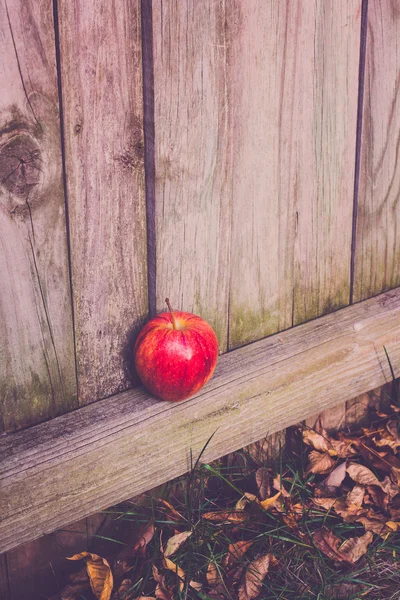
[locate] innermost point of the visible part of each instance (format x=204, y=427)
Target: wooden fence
x=238, y=156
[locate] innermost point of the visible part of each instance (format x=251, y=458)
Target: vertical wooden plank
x=377, y=255
x=295, y=89
x=37, y=367
x=101, y=66
x=192, y=158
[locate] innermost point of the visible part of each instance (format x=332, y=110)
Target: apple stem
x=172, y=314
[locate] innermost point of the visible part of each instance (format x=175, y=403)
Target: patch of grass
x=219, y=503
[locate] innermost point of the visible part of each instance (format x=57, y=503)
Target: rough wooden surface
x=37, y=368
x=101, y=68
x=295, y=77
x=377, y=260
x=192, y=159
x=110, y=450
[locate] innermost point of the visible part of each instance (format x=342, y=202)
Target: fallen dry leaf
x=100, y=576
x=348, y=551
x=224, y=516
x=278, y=485
x=171, y=512
x=326, y=503
x=236, y=551
x=175, y=542
x=262, y=480
x=354, y=548
x=162, y=592
x=212, y=575
x=356, y=495
x=361, y=474
x=317, y=441
x=171, y=566
x=254, y=576
x=319, y=462
x=335, y=479
x=270, y=502
x=145, y=536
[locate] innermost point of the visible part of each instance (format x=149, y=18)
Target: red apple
x=175, y=354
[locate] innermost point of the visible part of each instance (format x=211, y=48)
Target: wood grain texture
x=377, y=258
x=37, y=368
x=294, y=89
x=111, y=450
x=100, y=55
x=192, y=159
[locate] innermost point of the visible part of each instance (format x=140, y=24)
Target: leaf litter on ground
x=323, y=522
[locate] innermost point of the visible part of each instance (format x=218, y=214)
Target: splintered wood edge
x=99, y=455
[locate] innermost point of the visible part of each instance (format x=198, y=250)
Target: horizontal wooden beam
x=87, y=460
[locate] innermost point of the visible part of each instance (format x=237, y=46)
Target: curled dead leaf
x=100, y=575
x=225, y=516
x=362, y=475
x=175, y=542
x=212, y=575
x=278, y=485
x=254, y=577
x=145, y=536
x=348, y=551
x=236, y=551
x=319, y=462
x=270, y=502
x=356, y=495
x=318, y=442
x=335, y=479
x=180, y=573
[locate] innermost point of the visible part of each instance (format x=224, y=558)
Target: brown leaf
x=245, y=500
x=100, y=576
x=171, y=566
x=319, y=462
x=356, y=495
x=196, y=585
x=212, y=575
x=262, y=480
x=390, y=488
x=318, y=441
x=349, y=551
x=278, y=485
x=171, y=512
x=236, y=551
x=175, y=542
x=255, y=573
x=226, y=516
x=270, y=502
x=335, y=479
x=162, y=592
x=361, y=474
x=353, y=548
x=144, y=537
x=326, y=503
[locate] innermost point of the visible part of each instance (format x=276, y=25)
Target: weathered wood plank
x=37, y=367
x=294, y=87
x=192, y=159
x=377, y=257
x=103, y=453
x=101, y=66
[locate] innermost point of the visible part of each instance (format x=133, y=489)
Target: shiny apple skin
x=174, y=364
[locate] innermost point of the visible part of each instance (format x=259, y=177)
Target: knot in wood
x=20, y=165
